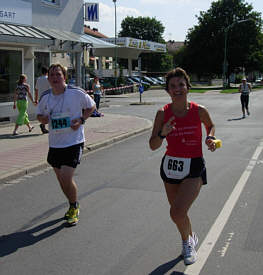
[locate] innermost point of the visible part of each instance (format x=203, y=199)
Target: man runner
x=65, y=109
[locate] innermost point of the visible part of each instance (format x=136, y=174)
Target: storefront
x=30, y=32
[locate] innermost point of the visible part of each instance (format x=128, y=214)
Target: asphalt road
x=125, y=226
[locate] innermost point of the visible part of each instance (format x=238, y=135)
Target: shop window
x=52, y=3
x=10, y=69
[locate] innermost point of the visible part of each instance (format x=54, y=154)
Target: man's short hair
x=44, y=70
x=57, y=65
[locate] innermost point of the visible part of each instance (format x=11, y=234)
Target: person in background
x=182, y=168
x=65, y=109
x=97, y=91
x=42, y=85
x=244, y=89
x=22, y=91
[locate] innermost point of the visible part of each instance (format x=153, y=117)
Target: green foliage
x=146, y=28
x=204, y=50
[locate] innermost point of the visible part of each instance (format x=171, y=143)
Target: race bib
x=176, y=168
x=60, y=123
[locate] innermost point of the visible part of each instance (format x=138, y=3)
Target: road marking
x=218, y=226
x=227, y=244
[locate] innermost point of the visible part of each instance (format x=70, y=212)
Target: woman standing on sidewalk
x=20, y=101
x=97, y=91
x=183, y=167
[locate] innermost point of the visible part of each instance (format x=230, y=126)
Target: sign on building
x=16, y=11
x=92, y=12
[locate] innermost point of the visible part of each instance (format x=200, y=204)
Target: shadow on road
x=10, y=136
x=238, y=118
x=11, y=243
x=164, y=268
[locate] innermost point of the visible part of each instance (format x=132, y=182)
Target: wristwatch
x=160, y=136
x=82, y=120
x=210, y=137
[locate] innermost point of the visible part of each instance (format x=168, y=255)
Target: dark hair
x=21, y=79
x=63, y=69
x=44, y=70
x=177, y=72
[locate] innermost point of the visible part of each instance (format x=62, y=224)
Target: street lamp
x=115, y=49
x=225, y=61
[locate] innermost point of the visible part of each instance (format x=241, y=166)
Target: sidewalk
x=27, y=152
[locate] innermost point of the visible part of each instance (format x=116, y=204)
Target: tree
x=205, y=42
x=146, y=28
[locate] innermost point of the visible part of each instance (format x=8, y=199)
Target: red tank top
x=186, y=140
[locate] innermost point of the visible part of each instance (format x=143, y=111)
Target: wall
x=68, y=17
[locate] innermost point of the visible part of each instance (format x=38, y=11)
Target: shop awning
x=78, y=38
x=23, y=34
x=46, y=36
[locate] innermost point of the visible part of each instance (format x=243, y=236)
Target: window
x=52, y=3
x=10, y=69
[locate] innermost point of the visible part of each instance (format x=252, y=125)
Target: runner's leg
x=65, y=177
x=181, y=196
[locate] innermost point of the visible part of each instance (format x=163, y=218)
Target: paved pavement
x=27, y=152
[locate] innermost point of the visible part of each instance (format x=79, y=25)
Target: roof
x=93, y=32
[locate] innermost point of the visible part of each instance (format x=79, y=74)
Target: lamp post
x=225, y=61
x=115, y=49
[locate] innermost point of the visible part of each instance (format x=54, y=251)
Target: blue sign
x=141, y=88
x=92, y=12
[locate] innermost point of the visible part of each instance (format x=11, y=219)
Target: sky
x=177, y=16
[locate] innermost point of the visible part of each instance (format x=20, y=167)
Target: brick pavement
x=27, y=152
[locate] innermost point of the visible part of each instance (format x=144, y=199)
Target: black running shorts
x=69, y=156
x=197, y=169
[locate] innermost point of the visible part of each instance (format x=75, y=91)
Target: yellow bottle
x=218, y=143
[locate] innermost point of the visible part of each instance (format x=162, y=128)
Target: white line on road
x=216, y=229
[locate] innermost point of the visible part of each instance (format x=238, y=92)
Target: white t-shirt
x=42, y=84
x=61, y=110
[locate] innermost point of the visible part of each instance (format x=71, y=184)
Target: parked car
x=146, y=85
x=148, y=79
x=158, y=81
x=259, y=80
x=161, y=79
x=137, y=79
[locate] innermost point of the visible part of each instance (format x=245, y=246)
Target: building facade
x=30, y=32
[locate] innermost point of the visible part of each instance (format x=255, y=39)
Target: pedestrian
x=65, y=109
x=42, y=85
x=97, y=91
x=182, y=168
x=244, y=89
x=22, y=91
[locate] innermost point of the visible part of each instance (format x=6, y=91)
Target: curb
x=87, y=149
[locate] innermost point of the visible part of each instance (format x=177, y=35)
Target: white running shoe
x=189, y=253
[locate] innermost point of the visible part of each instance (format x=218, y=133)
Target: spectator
x=22, y=91
x=42, y=85
x=97, y=91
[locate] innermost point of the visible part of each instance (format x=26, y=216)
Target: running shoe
x=72, y=215
x=43, y=129
x=189, y=254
